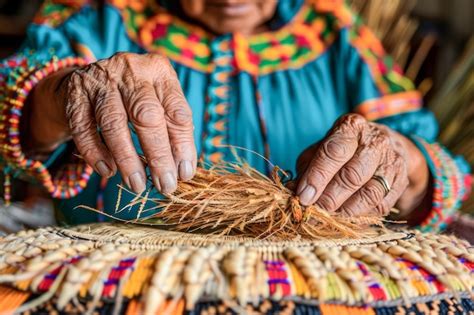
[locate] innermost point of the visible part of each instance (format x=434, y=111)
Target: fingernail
x=307, y=195
x=185, y=170
x=137, y=182
x=103, y=169
x=168, y=183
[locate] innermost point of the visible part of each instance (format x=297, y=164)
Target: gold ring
x=383, y=182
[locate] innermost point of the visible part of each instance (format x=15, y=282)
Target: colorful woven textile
x=126, y=269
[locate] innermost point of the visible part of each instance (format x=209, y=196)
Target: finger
x=370, y=195
x=84, y=129
x=335, y=151
x=350, y=178
x=147, y=115
x=112, y=119
x=179, y=121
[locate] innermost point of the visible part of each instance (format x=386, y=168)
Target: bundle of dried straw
x=235, y=199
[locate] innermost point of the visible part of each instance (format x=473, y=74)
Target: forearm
x=44, y=124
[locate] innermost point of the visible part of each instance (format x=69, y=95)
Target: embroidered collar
x=301, y=40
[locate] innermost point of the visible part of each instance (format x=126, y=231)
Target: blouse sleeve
x=379, y=91
x=45, y=51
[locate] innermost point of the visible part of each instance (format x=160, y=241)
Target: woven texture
x=127, y=269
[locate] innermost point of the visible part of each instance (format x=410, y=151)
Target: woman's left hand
x=360, y=168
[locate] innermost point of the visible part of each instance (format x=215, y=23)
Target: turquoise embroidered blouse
x=274, y=93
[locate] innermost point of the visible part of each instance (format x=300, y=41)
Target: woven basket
x=127, y=269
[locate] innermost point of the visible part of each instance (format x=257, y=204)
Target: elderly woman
x=303, y=83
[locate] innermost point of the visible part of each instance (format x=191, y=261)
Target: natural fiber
x=115, y=269
x=230, y=199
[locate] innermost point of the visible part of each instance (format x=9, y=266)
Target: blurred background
x=433, y=40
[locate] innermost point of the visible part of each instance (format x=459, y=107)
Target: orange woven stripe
x=133, y=308
x=11, y=299
x=333, y=309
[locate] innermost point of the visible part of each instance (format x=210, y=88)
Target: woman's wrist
x=45, y=126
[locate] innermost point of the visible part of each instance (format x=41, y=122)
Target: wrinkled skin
x=337, y=172
x=143, y=90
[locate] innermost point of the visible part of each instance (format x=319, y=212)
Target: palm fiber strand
x=121, y=268
x=230, y=199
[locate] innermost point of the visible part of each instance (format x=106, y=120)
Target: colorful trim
x=161, y=270
x=307, y=36
x=450, y=185
x=390, y=105
x=18, y=76
x=54, y=12
x=302, y=40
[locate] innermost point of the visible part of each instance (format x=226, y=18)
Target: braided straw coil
x=128, y=269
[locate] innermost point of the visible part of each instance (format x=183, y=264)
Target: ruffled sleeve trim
x=18, y=76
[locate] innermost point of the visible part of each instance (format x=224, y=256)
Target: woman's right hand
x=108, y=94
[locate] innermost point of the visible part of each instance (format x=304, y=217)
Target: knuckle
x=350, y=177
x=118, y=57
x=327, y=202
x=146, y=113
x=315, y=175
x=112, y=122
x=371, y=196
x=124, y=159
x=353, y=119
x=179, y=115
x=182, y=146
x=75, y=79
x=160, y=60
x=160, y=159
x=89, y=152
x=334, y=149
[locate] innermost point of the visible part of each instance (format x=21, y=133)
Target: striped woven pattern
x=127, y=269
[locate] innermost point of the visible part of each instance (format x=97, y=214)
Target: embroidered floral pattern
x=306, y=37
x=302, y=40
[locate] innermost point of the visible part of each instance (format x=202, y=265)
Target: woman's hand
x=107, y=95
x=340, y=173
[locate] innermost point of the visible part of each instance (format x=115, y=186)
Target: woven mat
x=128, y=269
